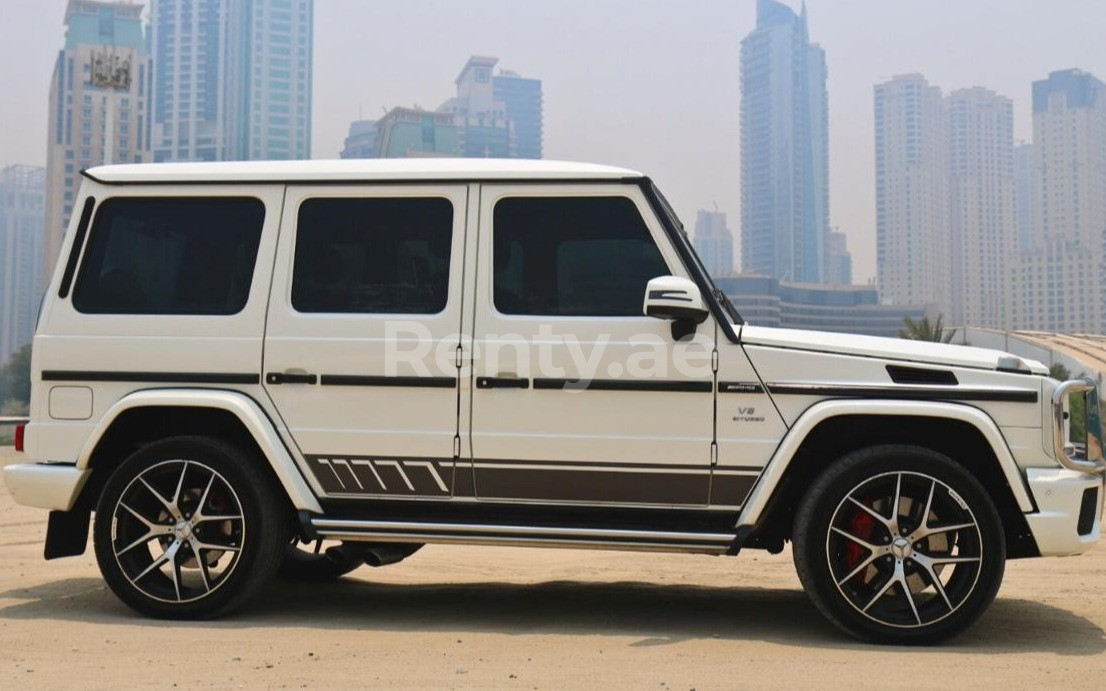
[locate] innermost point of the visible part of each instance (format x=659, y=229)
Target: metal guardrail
x=14, y=420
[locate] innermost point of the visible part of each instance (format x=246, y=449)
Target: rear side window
x=572, y=256
x=373, y=256
x=170, y=255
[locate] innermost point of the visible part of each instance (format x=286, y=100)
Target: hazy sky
x=648, y=84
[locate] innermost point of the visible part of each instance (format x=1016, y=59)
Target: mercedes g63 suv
x=241, y=368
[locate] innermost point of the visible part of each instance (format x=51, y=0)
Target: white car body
x=447, y=425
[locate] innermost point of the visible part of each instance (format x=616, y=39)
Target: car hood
x=873, y=346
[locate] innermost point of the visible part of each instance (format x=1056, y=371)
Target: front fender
x=777, y=466
x=242, y=407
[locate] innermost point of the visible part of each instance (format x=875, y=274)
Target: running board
x=515, y=535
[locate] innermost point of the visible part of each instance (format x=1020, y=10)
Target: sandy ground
x=497, y=618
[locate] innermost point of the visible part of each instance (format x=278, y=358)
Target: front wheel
x=188, y=528
x=898, y=544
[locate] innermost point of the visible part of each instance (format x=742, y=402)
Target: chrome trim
x=328, y=526
x=1094, y=462
x=505, y=541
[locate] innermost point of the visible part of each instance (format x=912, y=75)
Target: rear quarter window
x=170, y=255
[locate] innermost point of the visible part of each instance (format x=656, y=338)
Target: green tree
x=15, y=382
x=925, y=330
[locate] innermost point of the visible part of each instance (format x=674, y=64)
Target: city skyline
x=610, y=110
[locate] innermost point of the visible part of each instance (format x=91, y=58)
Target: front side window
x=373, y=255
x=170, y=255
x=572, y=256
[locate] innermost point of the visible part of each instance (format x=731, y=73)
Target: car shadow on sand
x=659, y=614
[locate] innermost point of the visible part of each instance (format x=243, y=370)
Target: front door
x=576, y=396
x=364, y=321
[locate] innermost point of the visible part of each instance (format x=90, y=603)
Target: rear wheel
x=188, y=527
x=899, y=544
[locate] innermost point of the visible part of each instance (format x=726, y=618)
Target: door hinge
x=456, y=447
x=714, y=360
x=459, y=356
x=714, y=453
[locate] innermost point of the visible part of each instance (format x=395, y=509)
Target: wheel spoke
x=169, y=553
x=883, y=520
x=213, y=546
x=879, y=593
x=927, y=531
x=204, y=519
x=927, y=566
x=150, y=534
x=849, y=536
x=859, y=567
x=204, y=576
x=145, y=521
x=169, y=506
x=936, y=561
x=180, y=484
x=900, y=573
x=894, y=524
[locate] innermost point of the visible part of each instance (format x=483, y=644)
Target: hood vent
x=919, y=375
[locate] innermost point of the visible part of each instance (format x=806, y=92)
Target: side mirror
x=677, y=299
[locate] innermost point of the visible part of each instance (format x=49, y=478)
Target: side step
x=514, y=535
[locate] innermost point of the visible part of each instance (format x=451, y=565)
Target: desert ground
x=498, y=618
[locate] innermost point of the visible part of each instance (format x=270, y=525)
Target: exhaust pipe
x=385, y=554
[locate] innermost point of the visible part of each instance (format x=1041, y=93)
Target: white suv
x=240, y=364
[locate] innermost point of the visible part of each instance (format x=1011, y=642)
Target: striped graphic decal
x=383, y=476
x=549, y=481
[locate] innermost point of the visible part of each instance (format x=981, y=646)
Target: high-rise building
x=982, y=206
x=22, y=220
x=522, y=99
x=98, y=109
x=839, y=263
x=714, y=243
x=1023, y=179
x=485, y=130
x=912, y=213
x=410, y=133
x=361, y=142
x=784, y=148
x=1060, y=279
x=232, y=80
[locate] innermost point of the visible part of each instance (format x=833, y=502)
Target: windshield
x=731, y=311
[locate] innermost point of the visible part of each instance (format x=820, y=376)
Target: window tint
x=578, y=256
x=170, y=255
x=379, y=256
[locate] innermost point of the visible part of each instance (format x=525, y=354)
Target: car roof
x=358, y=170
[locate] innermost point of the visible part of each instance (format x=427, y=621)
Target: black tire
x=304, y=565
x=929, y=580
x=207, y=528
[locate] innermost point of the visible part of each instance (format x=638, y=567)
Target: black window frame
x=294, y=275
x=92, y=254
x=605, y=195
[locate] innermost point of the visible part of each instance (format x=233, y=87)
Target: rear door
x=363, y=328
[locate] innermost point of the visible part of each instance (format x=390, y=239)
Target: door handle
x=291, y=377
x=507, y=382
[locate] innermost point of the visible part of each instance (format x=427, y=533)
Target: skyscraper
x=1023, y=176
x=485, y=130
x=232, y=80
x=22, y=219
x=714, y=243
x=522, y=99
x=98, y=110
x=1060, y=280
x=983, y=222
x=784, y=148
x=912, y=214
x=361, y=142
x=839, y=263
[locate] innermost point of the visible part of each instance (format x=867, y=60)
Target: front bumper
x=53, y=486
x=1059, y=496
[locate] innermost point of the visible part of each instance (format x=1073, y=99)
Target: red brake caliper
x=861, y=525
